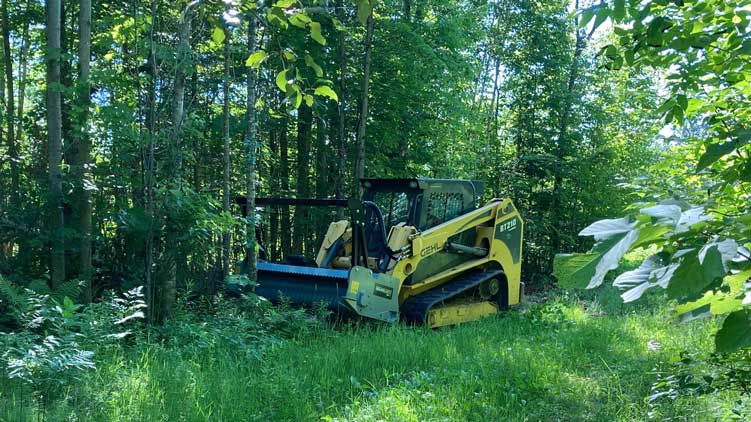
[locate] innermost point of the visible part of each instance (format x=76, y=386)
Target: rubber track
x=415, y=309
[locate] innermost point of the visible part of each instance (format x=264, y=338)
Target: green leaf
x=656, y=29
x=313, y=65
x=619, y=10
x=682, y=101
x=586, y=16
x=364, y=9
x=284, y=3
x=281, y=80
x=315, y=33
x=735, y=332
x=256, y=59
x=298, y=96
x=308, y=100
x=299, y=20
x=217, y=35
x=713, y=153
x=741, y=135
x=695, y=272
x=574, y=271
x=589, y=270
x=325, y=91
x=601, y=16
x=649, y=234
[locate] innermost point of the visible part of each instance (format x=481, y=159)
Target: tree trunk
x=273, y=240
x=169, y=285
x=360, y=164
x=284, y=170
x=225, y=156
x=84, y=147
x=54, y=138
x=302, y=215
x=9, y=107
x=250, y=159
x=341, y=116
x=23, y=61
x=562, y=144
x=151, y=290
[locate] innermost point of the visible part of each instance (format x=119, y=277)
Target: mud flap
x=373, y=295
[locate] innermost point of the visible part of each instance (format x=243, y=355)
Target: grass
x=571, y=359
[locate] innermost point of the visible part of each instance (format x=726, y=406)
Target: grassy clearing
x=571, y=359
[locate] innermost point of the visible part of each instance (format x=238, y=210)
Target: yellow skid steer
x=417, y=250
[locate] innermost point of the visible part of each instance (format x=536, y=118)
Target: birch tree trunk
x=250, y=159
x=225, y=155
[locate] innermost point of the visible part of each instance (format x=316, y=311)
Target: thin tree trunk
x=150, y=167
x=302, y=215
x=273, y=239
x=284, y=166
x=225, y=157
x=84, y=146
x=341, y=115
x=322, y=173
x=360, y=141
x=54, y=138
x=9, y=106
x=250, y=152
x=562, y=144
x=170, y=261
x=23, y=60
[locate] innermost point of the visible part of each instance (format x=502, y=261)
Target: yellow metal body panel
x=334, y=232
x=491, y=221
x=459, y=313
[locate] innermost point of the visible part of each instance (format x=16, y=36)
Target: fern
x=10, y=295
x=71, y=289
x=39, y=287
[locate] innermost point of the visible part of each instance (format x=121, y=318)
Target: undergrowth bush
x=52, y=341
x=692, y=375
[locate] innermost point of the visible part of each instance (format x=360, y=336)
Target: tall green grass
x=571, y=359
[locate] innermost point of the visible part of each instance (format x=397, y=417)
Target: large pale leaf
x=588, y=270
x=689, y=218
x=664, y=213
x=612, y=258
x=735, y=332
x=638, y=276
x=605, y=229
x=650, y=274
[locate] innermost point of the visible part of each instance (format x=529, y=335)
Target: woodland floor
x=569, y=359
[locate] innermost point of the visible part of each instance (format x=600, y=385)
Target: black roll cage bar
x=357, y=217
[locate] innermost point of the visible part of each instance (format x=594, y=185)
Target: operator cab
x=395, y=206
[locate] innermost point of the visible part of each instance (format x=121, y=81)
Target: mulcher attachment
x=302, y=285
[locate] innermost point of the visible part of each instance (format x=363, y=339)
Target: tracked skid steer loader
x=417, y=250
